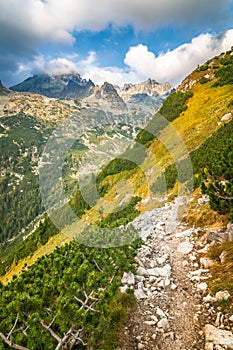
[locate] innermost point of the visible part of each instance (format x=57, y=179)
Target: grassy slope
x=195, y=126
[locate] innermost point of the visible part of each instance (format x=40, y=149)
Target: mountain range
x=73, y=86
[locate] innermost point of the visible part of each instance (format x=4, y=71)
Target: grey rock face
x=57, y=86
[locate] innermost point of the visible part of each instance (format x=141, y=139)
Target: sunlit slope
x=195, y=115
x=204, y=116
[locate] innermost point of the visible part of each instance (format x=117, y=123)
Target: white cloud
x=140, y=63
x=26, y=25
x=55, y=66
x=171, y=66
x=174, y=65
x=60, y=66
x=89, y=69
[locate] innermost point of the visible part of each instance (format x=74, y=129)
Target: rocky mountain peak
x=107, y=92
x=56, y=86
x=150, y=87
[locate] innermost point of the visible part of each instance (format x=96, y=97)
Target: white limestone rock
x=206, y=263
x=160, y=313
x=222, y=295
x=186, y=233
x=226, y=117
x=209, y=299
x=140, y=294
x=128, y=278
x=185, y=248
x=218, y=336
x=142, y=272
x=202, y=286
x=123, y=289
x=164, y=324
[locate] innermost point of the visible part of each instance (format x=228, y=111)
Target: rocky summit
x=150, y=88
x=56, y=86
x=73, y=86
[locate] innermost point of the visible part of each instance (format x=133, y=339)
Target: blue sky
x=115, y=40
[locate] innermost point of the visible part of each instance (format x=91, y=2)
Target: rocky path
x=169, y=286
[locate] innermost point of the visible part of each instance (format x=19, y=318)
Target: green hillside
x=73, y=290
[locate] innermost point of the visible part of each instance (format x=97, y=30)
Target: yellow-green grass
x=202, y=215
x=188, y=132
x=222, y=273
x=194, y=127
x=48, y=248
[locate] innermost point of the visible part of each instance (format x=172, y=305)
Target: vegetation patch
x=222, y=272
x=27, y=247
x=73, y=292
x=224, y=73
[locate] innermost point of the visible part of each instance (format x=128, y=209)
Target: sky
x=119, y=41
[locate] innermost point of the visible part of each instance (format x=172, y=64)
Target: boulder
x=128, y=278
x=185, y=233
x=164, y=324
x=202, y=286
x=139, y=294
x=164, y=271
x=209, y=299
x=160, y=313
x=222, y=295
x=153, y=272
x=123, y=289
x=142, y=272
x=226, y=117
x=185, y=248
x=222, y=257
x=218, y=336
x=206, y=263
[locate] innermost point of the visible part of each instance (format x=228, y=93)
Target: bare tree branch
x=97, y=266
x=84, y=305
x=223, y=197
x=112, y=278
x=75, y=338
x=53, y=334
x=65, y=338
x=12, y=329
x=11, y=344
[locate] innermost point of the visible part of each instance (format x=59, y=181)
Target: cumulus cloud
x=171, y=66
x=26, y=25
x=140, y=63
x=90, y=69
x=174, y=65
x=41, y=65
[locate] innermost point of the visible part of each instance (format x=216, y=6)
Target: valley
x=126, y=242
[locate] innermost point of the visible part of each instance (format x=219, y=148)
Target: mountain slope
x=197, y=111
x=74, y=292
